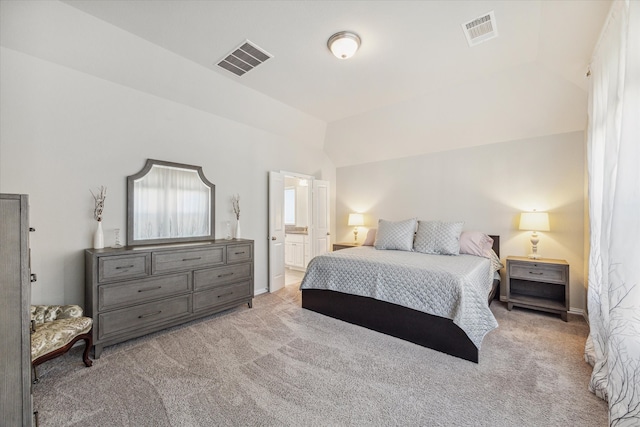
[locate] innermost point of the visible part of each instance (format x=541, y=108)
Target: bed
x=403, y=321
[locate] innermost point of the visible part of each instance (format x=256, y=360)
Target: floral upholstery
x=49, y=313
x=57, y=326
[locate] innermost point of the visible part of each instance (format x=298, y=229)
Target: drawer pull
x=239, y=253
x=142, y=316
x=149, y=289
x=124, y=266
x=537, y=274
x=225, y=275
x=192, y=259
x=225, y=295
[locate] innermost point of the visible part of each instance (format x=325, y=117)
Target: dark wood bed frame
x=427, y=330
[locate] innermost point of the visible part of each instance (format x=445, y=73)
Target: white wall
x=520, y=102
x=487, y=187
x=65, y=131
x=61, y=34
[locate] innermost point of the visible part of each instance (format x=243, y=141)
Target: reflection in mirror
x=169, y=202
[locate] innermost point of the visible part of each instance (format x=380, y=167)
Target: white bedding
x=455, y=287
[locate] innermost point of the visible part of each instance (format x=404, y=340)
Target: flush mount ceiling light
x=344, y=44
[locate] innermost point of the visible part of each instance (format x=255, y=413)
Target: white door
x=276, y=231
x=321, y=227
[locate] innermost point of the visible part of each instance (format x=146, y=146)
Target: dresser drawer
x=123, y=267
x=221, y=295
x=538, y=272
x=238, y=253
x=134, y=318
x=122, y=294
x=187, y=259
x=211, y=277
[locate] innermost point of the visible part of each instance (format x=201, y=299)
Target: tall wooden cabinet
x=15, y=298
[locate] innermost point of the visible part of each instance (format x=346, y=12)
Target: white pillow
x=396, y=235
x=371, y=237
x=438, y=237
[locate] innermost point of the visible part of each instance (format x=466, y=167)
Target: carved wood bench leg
x=35, y=379
x=87, y=347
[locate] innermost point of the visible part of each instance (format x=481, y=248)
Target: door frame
x=273, y=269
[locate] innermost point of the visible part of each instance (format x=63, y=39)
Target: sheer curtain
x=613, y=347
x=171, y=203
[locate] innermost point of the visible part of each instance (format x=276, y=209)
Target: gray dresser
x=131, y=292
x=15, y=298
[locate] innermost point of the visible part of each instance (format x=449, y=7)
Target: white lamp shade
x=534, y=221
x=344, y=44
x=356, y=219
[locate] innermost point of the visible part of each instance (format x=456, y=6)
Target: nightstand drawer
x=537, y=273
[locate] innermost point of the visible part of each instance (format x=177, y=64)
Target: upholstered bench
x=55, y=329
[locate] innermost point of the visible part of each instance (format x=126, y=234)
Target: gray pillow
x=438, y=237
x=396, y=235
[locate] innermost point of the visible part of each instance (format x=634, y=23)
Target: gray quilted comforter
x=455, y=287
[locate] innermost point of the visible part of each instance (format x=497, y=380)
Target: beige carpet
x=277, y=364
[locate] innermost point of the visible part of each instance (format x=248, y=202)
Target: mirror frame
x=131, y=208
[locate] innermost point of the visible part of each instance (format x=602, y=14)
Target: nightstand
x=539, y=284
x=344, y=245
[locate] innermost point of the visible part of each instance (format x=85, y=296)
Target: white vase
x=238, y=235
x=98, y=237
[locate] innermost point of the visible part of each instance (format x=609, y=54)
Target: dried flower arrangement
x=99, y=199
x=235, y=201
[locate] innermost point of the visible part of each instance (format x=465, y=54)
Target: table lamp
x=356, y=220
x=534, y=221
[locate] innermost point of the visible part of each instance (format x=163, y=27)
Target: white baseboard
x=260, y=291
x=578, y=311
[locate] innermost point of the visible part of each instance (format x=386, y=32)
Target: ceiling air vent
x=244, y=59
x=481, y=29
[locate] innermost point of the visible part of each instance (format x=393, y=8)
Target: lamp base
x=534, y=246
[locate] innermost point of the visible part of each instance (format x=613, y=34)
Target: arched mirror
x=168, y=203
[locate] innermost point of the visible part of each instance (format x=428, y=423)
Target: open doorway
x=297, y=219
x=298, y=225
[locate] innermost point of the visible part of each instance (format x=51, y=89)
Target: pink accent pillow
x=371, y=237
x=476, y=243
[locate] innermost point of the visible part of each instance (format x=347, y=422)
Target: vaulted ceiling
x=415, y=86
